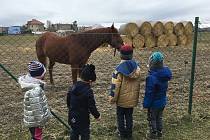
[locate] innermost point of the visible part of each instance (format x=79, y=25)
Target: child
x=125, y=90
x=155, y=93
x=36, y=111
x=81, y=102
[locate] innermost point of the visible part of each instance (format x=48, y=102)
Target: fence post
x=193, y=64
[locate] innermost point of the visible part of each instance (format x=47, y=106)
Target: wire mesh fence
x=202, y=74
x=17, y=50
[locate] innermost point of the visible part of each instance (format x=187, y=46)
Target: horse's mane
x=105, y=29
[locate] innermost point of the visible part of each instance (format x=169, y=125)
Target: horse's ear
x=112, y=27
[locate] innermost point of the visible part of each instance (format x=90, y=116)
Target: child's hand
x=110, y=100
x=145, y=109
x=99, y=118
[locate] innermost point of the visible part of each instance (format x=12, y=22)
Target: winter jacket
x=156, y=88
x=125, y=85
x=81, y=102
x=36, y=110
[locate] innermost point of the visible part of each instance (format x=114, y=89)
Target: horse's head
x=115, y=41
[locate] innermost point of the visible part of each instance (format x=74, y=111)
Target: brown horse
x=74, y=49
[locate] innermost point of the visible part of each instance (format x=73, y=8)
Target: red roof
x=34, y=22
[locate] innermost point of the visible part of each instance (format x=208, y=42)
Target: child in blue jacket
x=155, y=98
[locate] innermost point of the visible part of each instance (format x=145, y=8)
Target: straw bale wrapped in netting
x=145, y=28
x=138, y=41
x=179, y=29
x=127, y=39
x=162, y=40
x=172, y=39
x=130, y=29
x=149, y=41
x=169, y=27
x=188, y=26
x=158, y=29
x=189, y=40
x=182, y=40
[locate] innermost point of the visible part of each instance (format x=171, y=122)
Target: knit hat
x=36, y=69
x=126, y=52
x=156, y=60
x=88, y=73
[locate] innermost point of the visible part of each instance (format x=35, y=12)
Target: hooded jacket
x=156, y=88
x=81, y=102
x=125, y=85
x=36, y=110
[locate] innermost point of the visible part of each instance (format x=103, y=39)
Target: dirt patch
x=16, y=58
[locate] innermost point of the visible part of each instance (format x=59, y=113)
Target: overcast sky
x=18, y=12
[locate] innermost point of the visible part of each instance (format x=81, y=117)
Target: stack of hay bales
x=145, y=29
x=157, y=34
x=169, y=32
x=150, y=41
x=127, y=39
x=189, y=32
x=131, y=35
x=169, y=27
x=130, y=29
x=162, y=40
x=138, y=41
x=180, y=33
x=158, y=28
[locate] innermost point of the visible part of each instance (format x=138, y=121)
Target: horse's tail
x=40, y=50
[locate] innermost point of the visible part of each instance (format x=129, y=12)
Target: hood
x=129, y=68
x=28, y=82
x=163, y=74
x=78, y=88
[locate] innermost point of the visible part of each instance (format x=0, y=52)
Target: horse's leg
x=52, y=63
x=74, y=69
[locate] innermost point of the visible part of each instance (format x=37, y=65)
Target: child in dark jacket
x=81, y=102
x=155, y=98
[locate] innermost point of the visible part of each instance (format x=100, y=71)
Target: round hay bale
x=150, y=41
x=145, y=28
x=182, y=40
x=138, y=41
x=127, y=39
x=169, y=27
x=188, y=28
x=130, y=29
x=172, y=39
x=162, y=40
x=158, y=29
x=179, y=29
x=189, y=39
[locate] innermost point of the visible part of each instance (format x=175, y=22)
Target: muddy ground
x=15, y=54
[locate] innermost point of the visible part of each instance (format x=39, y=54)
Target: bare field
x=16, y=52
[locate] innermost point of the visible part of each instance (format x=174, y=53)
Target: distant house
x=60, y=26
x=3, y=30
x=35, y=25
x=14, y=30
